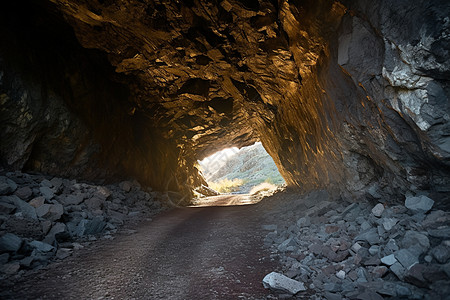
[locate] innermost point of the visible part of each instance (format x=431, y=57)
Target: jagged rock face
x=349, y=95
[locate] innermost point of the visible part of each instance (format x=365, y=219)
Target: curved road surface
x=188, y=253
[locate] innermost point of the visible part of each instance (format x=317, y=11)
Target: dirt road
x=188, y=253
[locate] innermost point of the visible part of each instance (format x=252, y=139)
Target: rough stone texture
x=352, y=95
x=281, y=283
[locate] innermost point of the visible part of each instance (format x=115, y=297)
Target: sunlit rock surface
x=348, y=95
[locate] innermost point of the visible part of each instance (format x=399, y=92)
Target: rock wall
x=347, y=95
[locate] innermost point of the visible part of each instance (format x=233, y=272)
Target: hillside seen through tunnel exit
x=241, y=171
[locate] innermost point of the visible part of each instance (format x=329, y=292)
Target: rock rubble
x=342, y=250
x=42, y=219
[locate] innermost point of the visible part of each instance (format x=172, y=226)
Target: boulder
x=56, y=229
x=10, y=243
x=26, y=209
x=36, y=202
x=7, y=208
x=378, y=210
x=72, y=199
x=24, y=193
x=41, y=246
x=126, y=186
x=278, y=282
x=50, y=212
x=441, y=252
x=90, y=227
x=419, y=204
x=47, y=192
x=7, y=186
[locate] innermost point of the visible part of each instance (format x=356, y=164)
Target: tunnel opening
x=248, y=170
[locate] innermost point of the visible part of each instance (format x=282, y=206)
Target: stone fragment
x=24, y=193
x=63, y=253
x=57, y=183
x=398, y=270
x=441, y=253
x=371, y=236
x=90, y=227
x=356, y=247
x=433, y=273
x=125, y=186
x=415, y=276
x=102, y=193
x=270, y=227
x=379, y=271
x=46, y=192
x=72, y=199
x=362, y=275
x=419, y=204
x=406, y=258
x=389, y=260
x=57, y=228
x=304, y=222
x=46, y=183
x=377, y=210
x=46, y=225
x=340, y=274
x=417, y=240
x=41, y=246
x=4, y=258
x=36, y=202
x=374, y=249
x=441, y=232
x=279, y=282
x=389, y=223
x=7, y=186
x=332, y=296
x=50, y=212
x=26, y=209
x=10, y=242
x=10, y=268
x=94, y=203
x=7, y=208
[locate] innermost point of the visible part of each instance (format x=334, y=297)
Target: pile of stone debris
x=336, y=250
x=42, y=219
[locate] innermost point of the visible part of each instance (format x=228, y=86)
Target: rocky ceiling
x=352, y=96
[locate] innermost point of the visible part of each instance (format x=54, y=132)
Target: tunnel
x=107, y=107
x=347, y=96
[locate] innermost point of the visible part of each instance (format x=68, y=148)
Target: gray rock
x=41, y=246
x=56, y=183
x=398, y=270
x=50, y=212
x=389, y=260
x=90, y=227
x=10, y=242
x=36, y=202
x=341, y=274
x=94, y=203
x=57, y=228
x=443, y=232
x=389, y=223
x=47, y=192
x=46, y=183
x=441, y=253
x=420, y=204
x=279, y=282
x=7, y=186
x=371, y=236
x=304, y=222
x=369, y=295
x=270, y=227
x=374, y=249
x=72, y=199
x=24, y=193
x=125, y=186
x=7, y=208
x=378, y=209
x=26, y=209
x=391, y=247
x=10, y=268
x=406, y=258
x=62, y=253
x=417, y=240
x=4, y=258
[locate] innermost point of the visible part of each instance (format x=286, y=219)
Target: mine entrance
x=249, y=170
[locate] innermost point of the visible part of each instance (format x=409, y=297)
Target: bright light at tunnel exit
x=241, y=171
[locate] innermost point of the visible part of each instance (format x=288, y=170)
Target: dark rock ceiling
x=347, y=95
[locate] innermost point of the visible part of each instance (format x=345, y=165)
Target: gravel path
x=189, y=253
